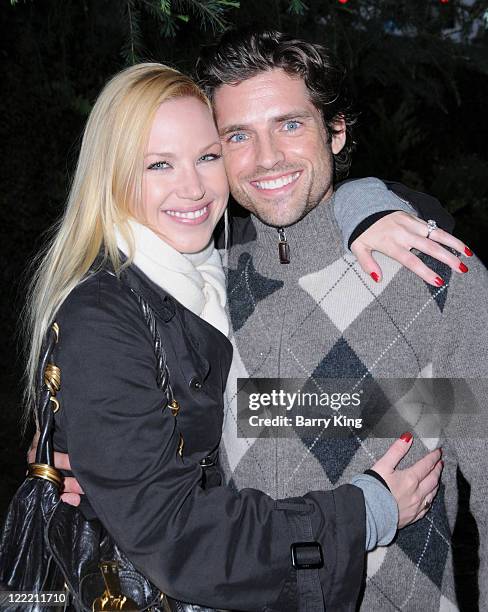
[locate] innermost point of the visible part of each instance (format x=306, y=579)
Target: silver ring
x=427, y=504
x=431, y=226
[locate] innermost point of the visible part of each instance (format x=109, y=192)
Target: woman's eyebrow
x=159, y=154
x=168, y=155
x=212, y=144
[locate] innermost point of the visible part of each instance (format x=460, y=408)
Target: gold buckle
x=112, y=598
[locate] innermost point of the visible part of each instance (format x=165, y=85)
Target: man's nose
x=269, y=153
x=191, y=185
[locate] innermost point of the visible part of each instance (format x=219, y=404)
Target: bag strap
x=162, y=361
x=49, y=383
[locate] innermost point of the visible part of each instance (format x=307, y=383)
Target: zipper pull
x=283, y=247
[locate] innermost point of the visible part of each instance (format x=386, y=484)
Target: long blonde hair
x=107, y=185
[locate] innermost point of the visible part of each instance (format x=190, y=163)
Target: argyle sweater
x=320, y=316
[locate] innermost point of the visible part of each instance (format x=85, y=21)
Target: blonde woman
x=150, y=187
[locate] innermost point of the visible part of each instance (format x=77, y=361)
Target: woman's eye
x=291, y=126
x=239, y=137
x=160, y=165
x=210, y=157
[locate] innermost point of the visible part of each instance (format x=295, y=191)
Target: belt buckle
x=297, y=564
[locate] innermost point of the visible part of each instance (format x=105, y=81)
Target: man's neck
x=315, y=234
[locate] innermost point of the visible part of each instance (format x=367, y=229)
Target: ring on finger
x=427, y=504
x=431, y=226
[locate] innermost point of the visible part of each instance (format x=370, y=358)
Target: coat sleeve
x=216, y=547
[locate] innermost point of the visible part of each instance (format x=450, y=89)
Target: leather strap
x=309, y=588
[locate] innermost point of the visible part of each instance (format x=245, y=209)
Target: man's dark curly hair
x=242, y=55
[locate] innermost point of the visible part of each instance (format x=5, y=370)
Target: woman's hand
x=415, y=487
x=395, y=235
x=71, y=488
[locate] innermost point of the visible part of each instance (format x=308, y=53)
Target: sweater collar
x=316, y=235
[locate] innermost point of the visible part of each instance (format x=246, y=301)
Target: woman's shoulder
x=100, y=296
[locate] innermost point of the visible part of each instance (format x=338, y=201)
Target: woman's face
x=184, y=186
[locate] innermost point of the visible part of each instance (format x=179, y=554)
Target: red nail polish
x=375, y=277
x=438, y=281
x=468, y=252
x=406, y=437
x=463, y=267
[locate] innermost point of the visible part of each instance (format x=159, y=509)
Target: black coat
x=196, y=542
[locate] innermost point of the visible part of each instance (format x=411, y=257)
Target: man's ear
x=338, y=139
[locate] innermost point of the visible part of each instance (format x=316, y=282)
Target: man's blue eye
x=291, y=126
x=160, y=165
x=238, y=137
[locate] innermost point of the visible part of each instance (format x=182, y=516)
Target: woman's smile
x=192, y=216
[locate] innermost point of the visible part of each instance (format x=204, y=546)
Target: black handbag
x=47, y=545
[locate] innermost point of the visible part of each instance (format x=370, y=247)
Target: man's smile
x=277, y=183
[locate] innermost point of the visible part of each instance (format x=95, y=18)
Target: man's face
x=275, y=145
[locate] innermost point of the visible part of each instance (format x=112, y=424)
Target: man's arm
x=461, y=354
x=365, y=201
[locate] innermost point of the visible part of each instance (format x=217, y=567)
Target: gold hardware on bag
x=52, y=378
x=54, y=401
x=181, y=444
x=112, y=598
x=42, y=470
x=55, y=328
x=174, y=407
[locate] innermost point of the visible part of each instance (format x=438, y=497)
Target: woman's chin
x=192, y=246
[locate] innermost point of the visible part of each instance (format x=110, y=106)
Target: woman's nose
x=192, y=187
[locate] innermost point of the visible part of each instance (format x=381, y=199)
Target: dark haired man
x=286, y=136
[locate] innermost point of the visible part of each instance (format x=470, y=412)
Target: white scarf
x=196, y=280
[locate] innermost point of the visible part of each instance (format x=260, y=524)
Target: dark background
x=418, y=70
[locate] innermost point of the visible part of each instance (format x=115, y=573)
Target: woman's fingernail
x=463, y=267
x=406, y=437
x=375, y=277
x=468, y=252
x=438, y=281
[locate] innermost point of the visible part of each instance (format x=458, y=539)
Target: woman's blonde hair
x=107, y=185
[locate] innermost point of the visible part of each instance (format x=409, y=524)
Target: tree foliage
x=418, y=69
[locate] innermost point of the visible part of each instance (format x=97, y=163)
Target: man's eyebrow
x=236, y=127
x=240, y=127
x=301, y=114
